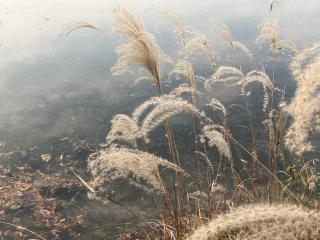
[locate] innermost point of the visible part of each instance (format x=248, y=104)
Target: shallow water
x=44, y=77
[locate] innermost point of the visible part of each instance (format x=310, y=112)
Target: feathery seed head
x=164, y=110
x=269, y=33
x=139, y=168
x=305, y=107
x=216, y=138
x=217, y=105
x=142, y=50
x=262, y=221
x=123, y=128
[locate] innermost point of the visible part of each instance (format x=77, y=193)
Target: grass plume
x=270, y=33
x=140, y=168
x=262, y=221
x=304, y=107
x=142, y=50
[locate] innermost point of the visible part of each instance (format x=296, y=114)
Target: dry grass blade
x=83, y=182
x=23, y=228
x=74, y=25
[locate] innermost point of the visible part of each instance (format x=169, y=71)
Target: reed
x=208, y=196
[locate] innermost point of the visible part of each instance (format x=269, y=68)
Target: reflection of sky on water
x=31, y=27
x=45, y=79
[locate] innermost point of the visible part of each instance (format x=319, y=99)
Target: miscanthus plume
x=137, y=167
x=224, y=32
x=262, y=221
x=270, y=34
x=146, y=117
x=142, y=49
x=215, y=136
x=305, y=106
x=232, y=77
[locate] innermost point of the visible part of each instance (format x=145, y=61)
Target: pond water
x=43, y=75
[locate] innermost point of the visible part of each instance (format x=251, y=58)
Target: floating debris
x=46, y=157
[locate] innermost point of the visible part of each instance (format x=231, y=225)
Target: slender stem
x=23, y=228
x=266, y=169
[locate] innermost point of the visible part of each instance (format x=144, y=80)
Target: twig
x=23, y=228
